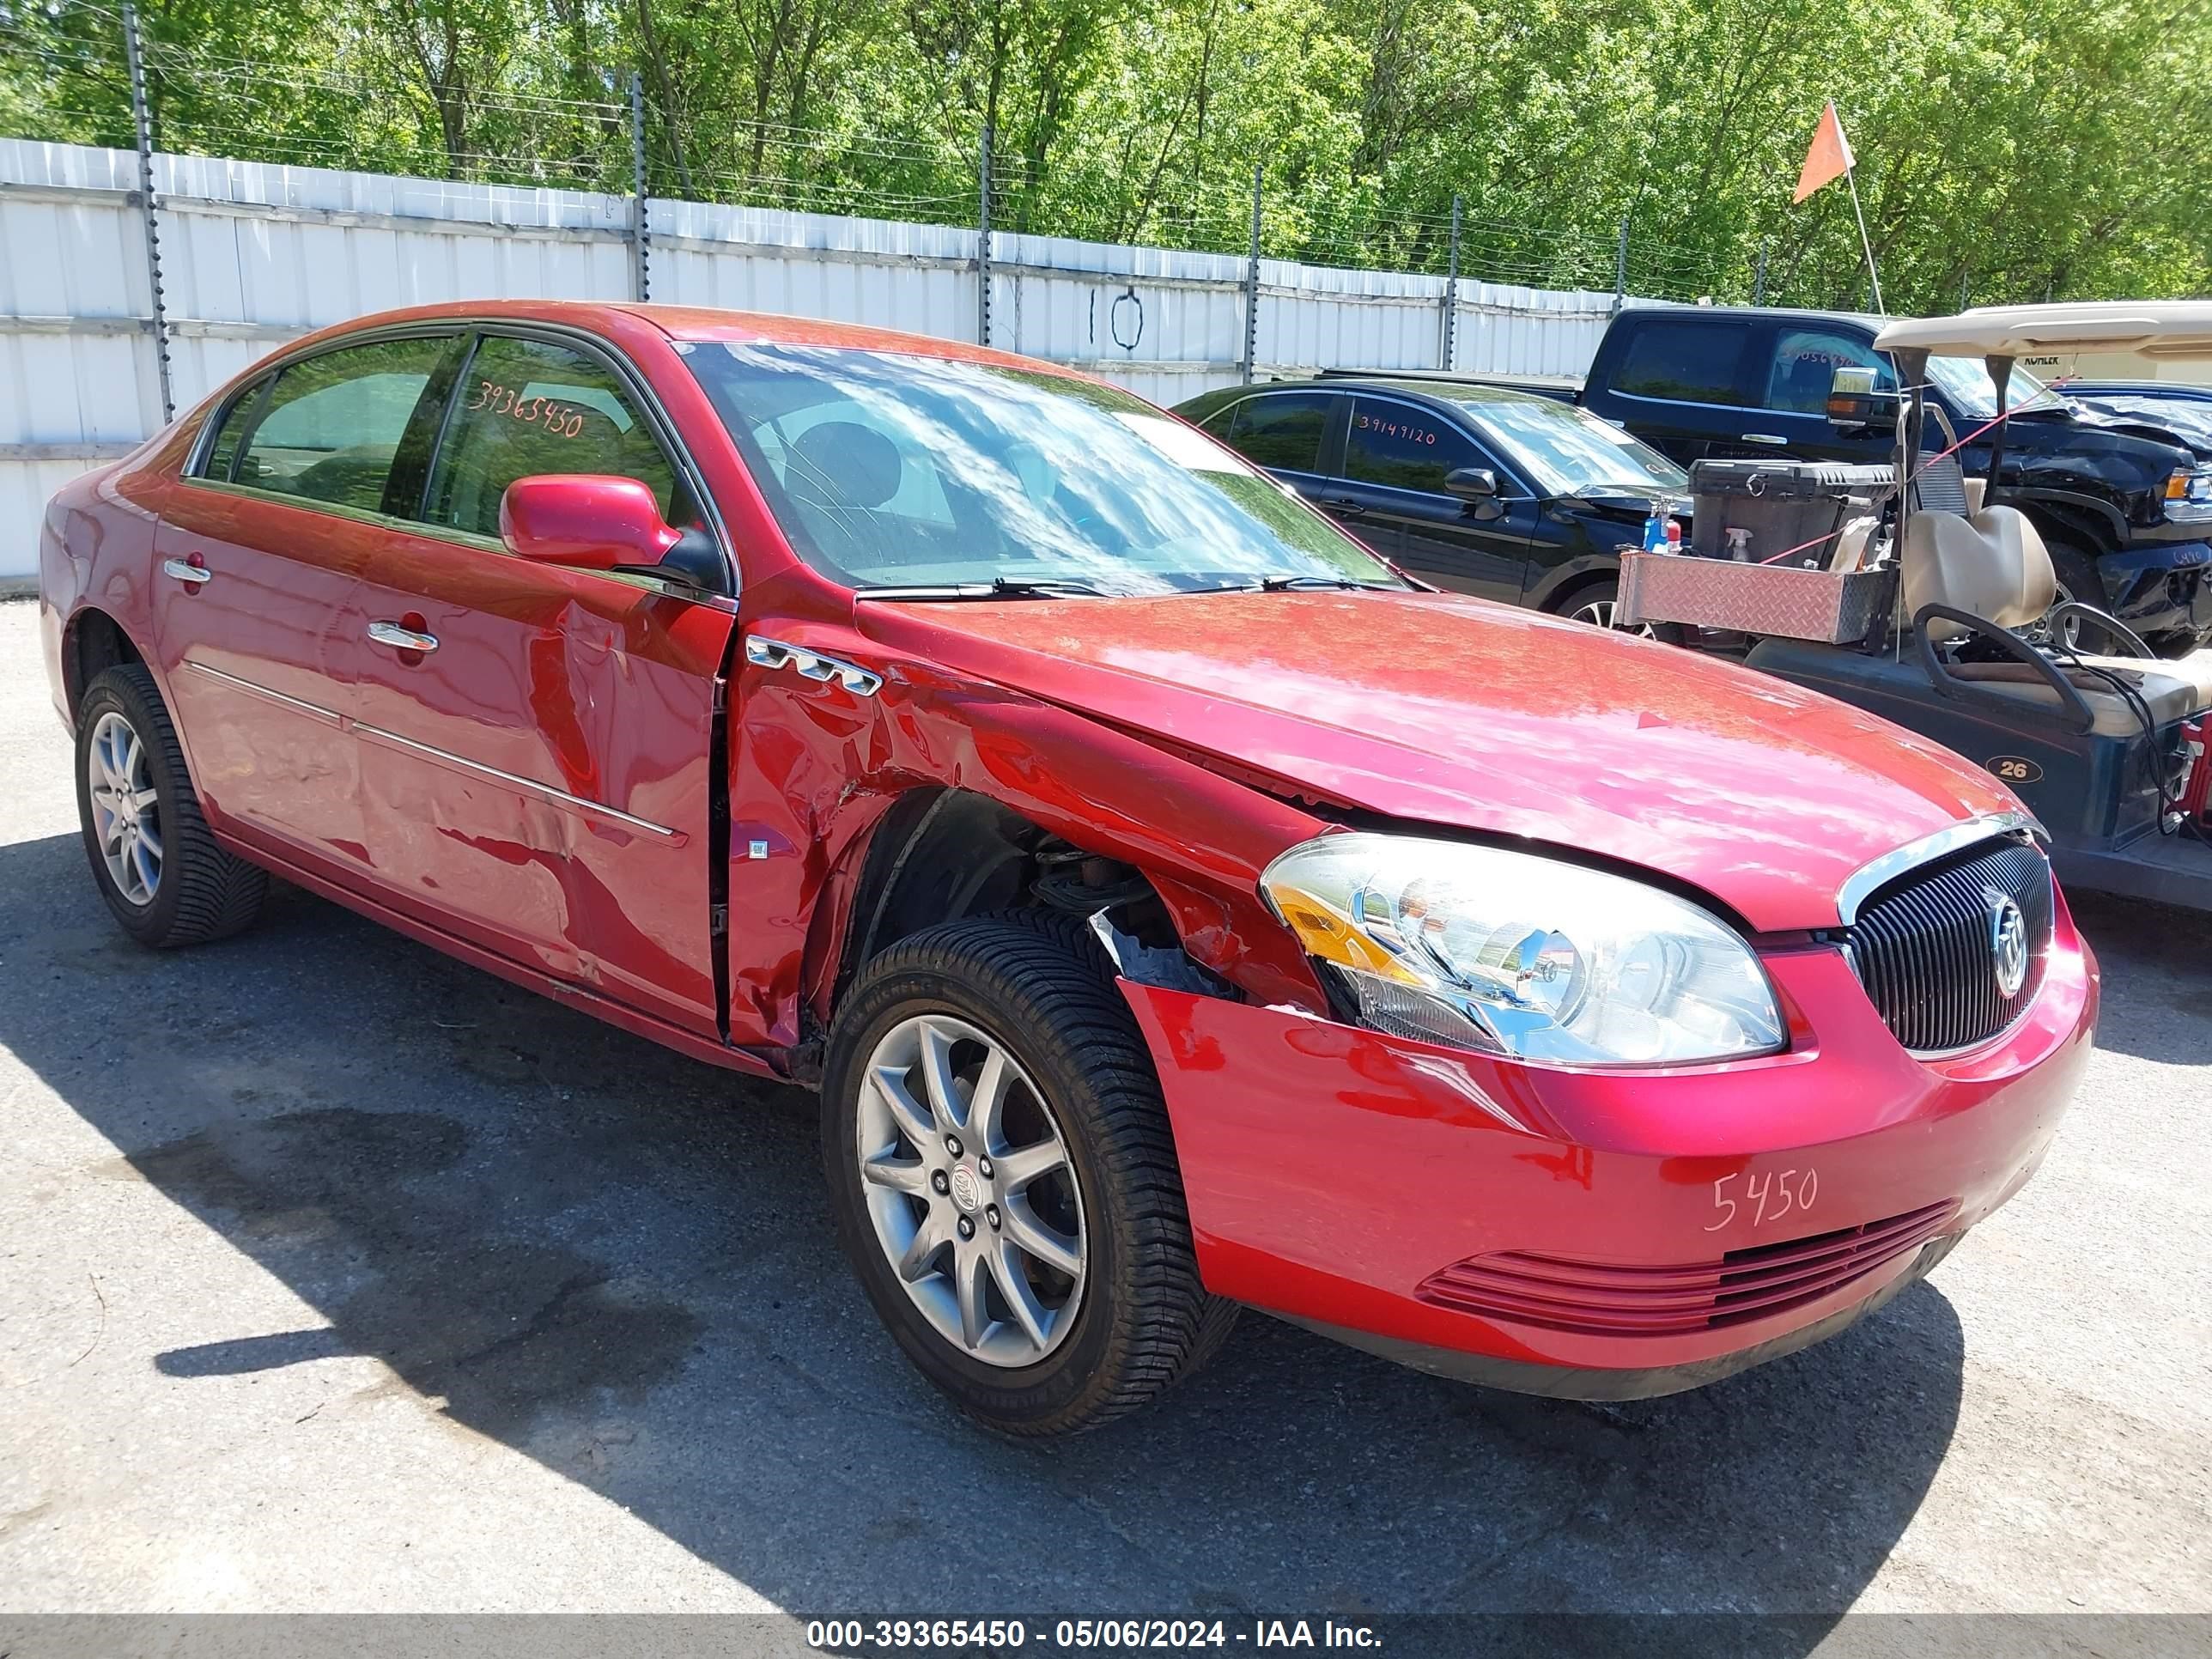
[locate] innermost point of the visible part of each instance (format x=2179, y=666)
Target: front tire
x=1004, y=1180
x=153, y=857
x=2075, y=570
x=1598, y=604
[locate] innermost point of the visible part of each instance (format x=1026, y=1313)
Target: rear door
x=1396, y=456
x=259, y=561
x=1795, y=364
x=536, y=741
x=1679, y=384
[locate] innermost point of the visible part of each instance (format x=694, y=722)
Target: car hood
x=2178, y=430
x=1450, y=711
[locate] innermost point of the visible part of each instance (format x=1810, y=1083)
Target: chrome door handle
x=1340, y=505
x=1764, y=437
x=190, y=575
x=401, y=638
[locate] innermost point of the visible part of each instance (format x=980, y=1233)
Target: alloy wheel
x=969, y=1185
x=2067, y=636
x=1601, y=613
x=126, y=812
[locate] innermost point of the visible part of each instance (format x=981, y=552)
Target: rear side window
x=1405, y=447
x=1686, y=362
x=1219, y=422
x=1279, y=430
x=222, y=454
x=1805, y=363
x=330, y=429
x=528, y=407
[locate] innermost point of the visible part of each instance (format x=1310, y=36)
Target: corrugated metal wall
x=253, y=255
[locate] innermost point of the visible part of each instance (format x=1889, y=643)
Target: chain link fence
x=368, y=101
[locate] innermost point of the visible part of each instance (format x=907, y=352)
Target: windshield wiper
x=1002, y=587
x=1315, y=584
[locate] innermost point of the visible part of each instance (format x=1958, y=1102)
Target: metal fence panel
x=255, y=254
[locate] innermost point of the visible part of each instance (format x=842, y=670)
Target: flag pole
x=1872, y=275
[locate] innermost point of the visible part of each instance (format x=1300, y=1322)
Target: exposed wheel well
x=95, y=643
x=944, y=855
x=2055, y=523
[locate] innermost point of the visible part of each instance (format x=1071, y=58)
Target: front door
x=1800, y=363
x=1396, y=457
x=257, y=577
x=536, y=741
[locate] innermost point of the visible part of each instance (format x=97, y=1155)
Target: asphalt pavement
x=335, y=1276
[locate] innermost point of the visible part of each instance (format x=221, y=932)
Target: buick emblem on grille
x=2008, y=944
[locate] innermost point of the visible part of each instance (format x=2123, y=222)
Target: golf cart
x=1932, y=606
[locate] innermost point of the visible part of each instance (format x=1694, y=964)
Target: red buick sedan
x=1175, y=907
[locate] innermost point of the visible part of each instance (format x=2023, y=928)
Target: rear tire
x=1132, y=1318
x=153, y=857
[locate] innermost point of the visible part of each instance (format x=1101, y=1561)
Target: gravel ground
x=340, y=1277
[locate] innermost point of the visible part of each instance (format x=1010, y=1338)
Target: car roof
x=1761, y=313
x=699, y=324
x=1429, y=388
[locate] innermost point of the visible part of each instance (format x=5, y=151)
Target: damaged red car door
x=534, y=740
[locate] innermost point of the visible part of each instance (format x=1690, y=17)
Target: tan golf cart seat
x=1993, y=563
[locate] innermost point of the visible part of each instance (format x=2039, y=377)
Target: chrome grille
x=1924, y=946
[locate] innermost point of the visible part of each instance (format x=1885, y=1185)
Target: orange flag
x=1828, y=160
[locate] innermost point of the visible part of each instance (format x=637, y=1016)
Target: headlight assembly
x=1519, y=955
x=2188, y=496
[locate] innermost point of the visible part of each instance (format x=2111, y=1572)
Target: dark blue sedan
x=1478, y=488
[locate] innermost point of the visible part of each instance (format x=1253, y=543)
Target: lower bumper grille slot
x=1596, y=1298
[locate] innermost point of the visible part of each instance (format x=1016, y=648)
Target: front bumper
x=1351, y=1181
x=2161, y=586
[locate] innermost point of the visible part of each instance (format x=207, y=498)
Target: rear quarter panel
x=95, y=553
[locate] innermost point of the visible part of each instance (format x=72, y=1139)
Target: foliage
x=2008, y=150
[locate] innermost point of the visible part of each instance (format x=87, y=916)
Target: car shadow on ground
x=619, y=1262
x=2158, y=976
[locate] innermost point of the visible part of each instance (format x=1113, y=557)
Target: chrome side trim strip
x=1860, y=886
x=546, y=791
x=314, y=709
x=813, y=666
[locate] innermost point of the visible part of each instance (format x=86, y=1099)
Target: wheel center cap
x=967, y=1188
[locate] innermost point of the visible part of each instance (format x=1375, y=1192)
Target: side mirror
x=591, y=521
x=584, y=522
x=1854, y=400
x=1472, y=484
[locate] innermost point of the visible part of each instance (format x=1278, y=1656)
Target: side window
x=330, y=429
x=1406, y=447
x=1280, y=430
x=222, y=454
x=527, y=407
x=1805, y=362
x=1686, y=362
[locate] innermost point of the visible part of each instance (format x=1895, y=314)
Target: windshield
x=889, y=471
x=1965, y=381
x=1569, y=452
